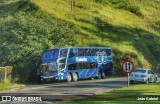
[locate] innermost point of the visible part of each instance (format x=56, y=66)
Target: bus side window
x=72, y=67
x=86, y=66
x=71, y=54
x=87, y=52
x=62, y=64
x=108, y=52
x=81, y=52
x=80, y=65
x=63, y=53
x=94, y=52
x=93, y=65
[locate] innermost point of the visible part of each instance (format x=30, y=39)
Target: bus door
x=62, y=63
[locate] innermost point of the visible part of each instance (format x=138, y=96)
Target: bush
x=5, y=84
x=127, y=5
x=123, y=4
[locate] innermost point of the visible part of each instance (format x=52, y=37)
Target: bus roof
x=79, y=47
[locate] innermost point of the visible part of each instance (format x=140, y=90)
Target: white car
x=143, y=75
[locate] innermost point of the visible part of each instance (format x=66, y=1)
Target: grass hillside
x=131, y=28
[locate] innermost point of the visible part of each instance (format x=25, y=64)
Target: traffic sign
x=127, y=66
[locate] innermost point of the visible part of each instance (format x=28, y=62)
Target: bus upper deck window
x=73, y=52
x=87, y=52
x=63, y=53
x=108, y=52
x=80, y=52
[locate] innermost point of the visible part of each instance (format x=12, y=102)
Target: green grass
x=7, y=85
x=125, y=95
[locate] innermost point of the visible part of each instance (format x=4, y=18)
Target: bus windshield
x=49, y=67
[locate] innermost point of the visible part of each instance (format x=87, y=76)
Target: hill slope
x=131, y=29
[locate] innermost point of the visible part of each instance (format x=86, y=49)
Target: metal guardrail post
x=128, y=80
x=5, y=74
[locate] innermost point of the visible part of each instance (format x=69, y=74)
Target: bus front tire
x=69, y=77
x=75, y=77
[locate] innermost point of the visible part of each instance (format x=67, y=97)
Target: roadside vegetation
x=125, y=95
x=28, y=27
x=6, y=85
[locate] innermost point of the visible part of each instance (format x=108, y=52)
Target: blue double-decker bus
x=74, y=63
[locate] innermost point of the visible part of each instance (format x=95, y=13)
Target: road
x=69, y=90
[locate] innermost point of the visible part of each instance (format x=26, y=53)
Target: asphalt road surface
x=62, y=91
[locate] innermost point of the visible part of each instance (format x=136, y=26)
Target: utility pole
x=71, y=5
x=5, y=73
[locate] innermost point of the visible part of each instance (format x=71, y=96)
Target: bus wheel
x=69, y=77
x=99, y=75
x=75, y=77
x=103, y=75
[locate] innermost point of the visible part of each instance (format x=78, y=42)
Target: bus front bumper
x=49, y=78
